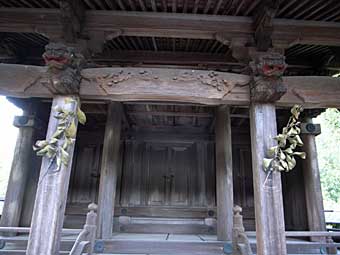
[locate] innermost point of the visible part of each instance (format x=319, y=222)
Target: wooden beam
x=169, y=85
x=51, y=197
x=153, y=24
x=263, y=22
x=109, y=171
x=224, y=174
x=174, y=114
x=72, y=13
x=20, y=170
x=270, y=226
x=166, y=58
x=313, y=193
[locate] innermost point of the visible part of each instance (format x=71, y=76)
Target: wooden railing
x=84, y=242
x=325, y=239
x=86, y=238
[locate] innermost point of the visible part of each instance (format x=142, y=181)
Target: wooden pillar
x=50, y=201
x=19, y=172
x=270, y=227
x=109, y=170
x=224, y=174
x=313, y=193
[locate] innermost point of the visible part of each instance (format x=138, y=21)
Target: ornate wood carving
x=211, y=79
x=64, y=66
x=311, y=91
x=267, y=83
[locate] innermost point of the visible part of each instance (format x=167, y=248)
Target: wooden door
x=157, y=168
x=84, y=181
x=168, y=168
x=178, y=175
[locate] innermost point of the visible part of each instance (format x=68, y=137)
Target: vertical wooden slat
x=270, y=227
x=21, y=166
x=313, y=193
x=50, y=201
x=142, y=5
x=109, y=170
x=174, y=6
x=195, y=8
x=224, y=174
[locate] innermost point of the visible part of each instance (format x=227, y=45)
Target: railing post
x=91, y=226
x=331, y=250
x=241, y=245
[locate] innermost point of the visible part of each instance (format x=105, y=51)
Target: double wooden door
x=168, y=169
x=168, y=174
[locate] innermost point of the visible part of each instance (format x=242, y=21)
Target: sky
x=8, y=135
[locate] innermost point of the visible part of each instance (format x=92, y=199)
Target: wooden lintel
x=170, y=85
x=174, y=114
x=152, y=24
x=166, y=58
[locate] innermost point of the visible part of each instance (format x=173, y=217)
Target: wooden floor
x=156, y=244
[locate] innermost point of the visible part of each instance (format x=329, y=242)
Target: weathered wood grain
x=177, y=25
x=313, y=192
x=270, y=227
x=20, y=169
x=109, y=170
x=175, y=85
x=224, y=174
x=50, y=201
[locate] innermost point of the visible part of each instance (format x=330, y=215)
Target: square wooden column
x=109, y=171
x=311, y=173
x=224, y=174
x=270, y=226
x=19, y=171
x=266, y=88
x=50, y=201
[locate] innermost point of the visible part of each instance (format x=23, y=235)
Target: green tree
x=328, y=144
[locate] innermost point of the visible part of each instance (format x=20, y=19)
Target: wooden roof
x=318, y=55
x=320, y=10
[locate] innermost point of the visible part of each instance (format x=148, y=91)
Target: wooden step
x=161, y=247
x=154, y=225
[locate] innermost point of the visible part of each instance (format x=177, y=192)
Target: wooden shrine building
x=182, y=99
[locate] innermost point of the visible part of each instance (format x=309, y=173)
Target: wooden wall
x=140, y=193
x=243, y=177
x=160, y=173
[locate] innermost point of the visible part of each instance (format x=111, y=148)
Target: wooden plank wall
x=132, y=193
x=186, y=166
x=131, y=198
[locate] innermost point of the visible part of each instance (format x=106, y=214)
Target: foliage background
x=328, y=145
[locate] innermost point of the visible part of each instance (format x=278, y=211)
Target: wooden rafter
x=72, y=13
x=263, y=23
x=153, y=24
